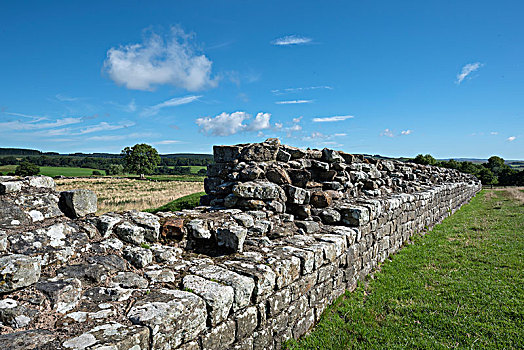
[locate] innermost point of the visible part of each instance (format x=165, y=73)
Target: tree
x=27, y=169
x=141, y=158
x=425, y=160
x=115, y=169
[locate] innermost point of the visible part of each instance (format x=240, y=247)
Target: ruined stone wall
x=281, y=234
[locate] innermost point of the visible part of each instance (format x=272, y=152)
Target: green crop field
x=55, y=170
x=460, y=286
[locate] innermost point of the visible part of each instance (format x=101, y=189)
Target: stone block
x=77, y=203
x=17, y=271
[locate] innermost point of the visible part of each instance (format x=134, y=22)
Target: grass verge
x=186, y=202
x=460, y=286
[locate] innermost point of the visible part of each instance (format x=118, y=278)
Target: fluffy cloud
x=291, y=40
x=177, y=101
x=387, y=132
x=406, y=132
x=226, y=124
x=159, y=61
x=511, y=138
x=467, y=70
x=336, y=118
x=293, y=102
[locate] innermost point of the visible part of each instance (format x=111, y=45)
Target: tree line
x=494, y=172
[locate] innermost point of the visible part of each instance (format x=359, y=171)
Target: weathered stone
x=14, y=315
x=304, y=324
x=320, y=199
x=232, y=237
x=17, y=271
x=3, y=241
x=220, y=337
x=41, y=182
x=78, y=203
x=331, y=156
x=297, y=195
x=355, y=215
x=258, y=153
x=245, y=220
x=218, y=298
x=25, y=340
x=309, y=227
x=149, y=222
x=226, y=154
x=278, y=175
x=299, y=177
x=173, y=229
x=129, y=280
x=198, y=228
x=263, y=275
x=10, y=187
x=130, y=233
x=283, y=156
x=258, y=190
x=173, y=316
x=251, y=173
x=139, y=257
x=64, y=294
x=105, y=224
x=12, y=215
x=246, y=322
x=330, y=216
x=242, y=285
x=300, y=211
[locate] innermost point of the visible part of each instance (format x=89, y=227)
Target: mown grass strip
x=186, y=202
x=460, y=286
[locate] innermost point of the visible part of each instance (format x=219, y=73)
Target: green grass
x=460, y=286
x=186, y=202
x=55, y=170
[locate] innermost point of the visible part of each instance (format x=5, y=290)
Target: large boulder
x=17, y=271
x=78, y=203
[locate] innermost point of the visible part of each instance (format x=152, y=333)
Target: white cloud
x=494, y=133
x=103, y=126
x=511, y=138
x=291, y=40
x=315, y=136
x=36, y=125
x=336, y=118
x=297, y=120
x=406, y=132
x=467, y=70
x=261, y=122
x=387, y=132
x=177, y=101
x=167, y=142
x=226, y=124
x=159, y=61
x=293, y=102
x=299, y=89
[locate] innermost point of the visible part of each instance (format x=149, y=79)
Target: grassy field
x=118, y=194
x=460, y=286
x=186, y=202
x=55, y=170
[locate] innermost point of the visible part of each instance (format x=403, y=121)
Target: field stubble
x=119, y=194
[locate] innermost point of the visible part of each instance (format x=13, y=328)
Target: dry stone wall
x=281, y=233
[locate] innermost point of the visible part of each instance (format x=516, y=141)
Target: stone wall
x=281, y=233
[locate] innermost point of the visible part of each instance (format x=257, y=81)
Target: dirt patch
x=119, y=194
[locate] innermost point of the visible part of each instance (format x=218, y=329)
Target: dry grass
x=513, y=192
x=116, y=194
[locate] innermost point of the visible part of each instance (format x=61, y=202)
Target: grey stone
x=297, y=195
x=331, y=156
x=130, y=233
x=242, y=285
x=78, y=203
x=258, y=190
x=198, y=228
x=173, y=316
x=263, y=275
x=106, y=223
x=24, y=340
x=309, y=227
x=149, y=222
x=3, y=241
x=64, y=294
x=231, y=237
x=17, y=271
x=129, y=280
x=299, y=177
x=10, y=187
x=283, y=156
x=330, y=216
x=251, y=173
x=246, y=322
x=278, y=175
x=115, y=336
x=41, y=182
x=218, y=298
x=245, y=220
x=139, y=257
x=161, y=275
x=225, y=154
x=220, y=337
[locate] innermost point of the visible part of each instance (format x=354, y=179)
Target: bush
x=96, y=172
x=27, y=169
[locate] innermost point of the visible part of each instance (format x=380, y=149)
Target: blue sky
x=395, y=78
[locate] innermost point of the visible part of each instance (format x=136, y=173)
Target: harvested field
x=118, y=194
